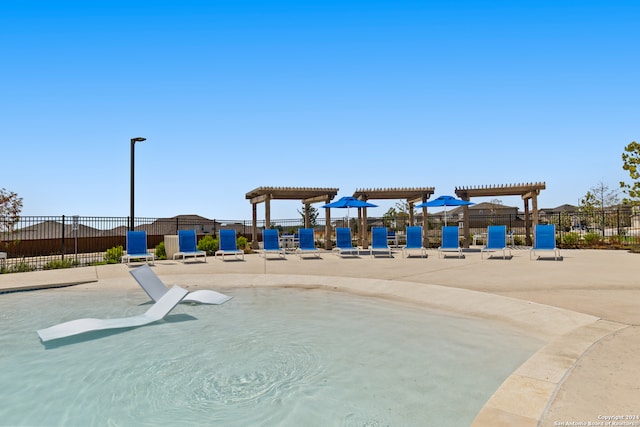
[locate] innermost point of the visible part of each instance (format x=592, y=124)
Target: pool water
x=268, y=357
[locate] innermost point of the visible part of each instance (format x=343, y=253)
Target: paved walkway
x=585, y=308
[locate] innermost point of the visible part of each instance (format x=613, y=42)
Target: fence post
x=63, y=237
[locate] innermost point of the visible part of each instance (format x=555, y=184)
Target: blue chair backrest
x=545, y=236
x=136, y=242
x=497, y=236
x=379, y=237
x=414, y=236
x=306, y=238
x=271, y=239
x=228, y=240
x=343, y=237
x=450, y=236
x=187, y=240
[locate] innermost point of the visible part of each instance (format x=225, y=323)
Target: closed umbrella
x=444, y=201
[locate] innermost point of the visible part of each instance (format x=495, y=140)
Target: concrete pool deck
x=585, y=308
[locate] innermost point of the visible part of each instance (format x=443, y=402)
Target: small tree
x=313, y=215
x=397, y=217
x=597, y=199
x=389, y=217
x=494, y=207
x=402, y=219
x=10, y=208
x=562, y=221
x=631, y=162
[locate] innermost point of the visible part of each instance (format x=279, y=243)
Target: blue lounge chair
x=344, y=244
x=271, y=243
x=450, y=241
x=496, y=241
x=379, y=241
x=137, y=247
x=228, y=245
x=187, y=245
x=414, y=241
x=544, y=239
x=307, y=244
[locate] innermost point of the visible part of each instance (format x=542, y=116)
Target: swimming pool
x=270, y=356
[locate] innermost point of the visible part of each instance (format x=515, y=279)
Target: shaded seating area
x=544, y=240
x=307, y=195
x=496, y=241
x=271, y=244
x=188, y=246
x=307, y=244
x=229, y=245
x=156, y=289
x=344, y=243
x=450, y=241
x=80, y=326
x=414, y=242
x=527, y=191
x=137, y=247
x=379, y=242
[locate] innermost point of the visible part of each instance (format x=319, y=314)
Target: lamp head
x=138, y=139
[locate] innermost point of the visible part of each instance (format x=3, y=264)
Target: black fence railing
x=37, y=242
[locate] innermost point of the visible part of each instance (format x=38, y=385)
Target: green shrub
x=592, y=238
x=571, y=238
x=242, y=242
x=208, y=244
x=161, y=252
x=114, y=255
x=21, y=267
x=617, y=240
x=60, y=263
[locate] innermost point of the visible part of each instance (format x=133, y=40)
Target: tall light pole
x=133, y=150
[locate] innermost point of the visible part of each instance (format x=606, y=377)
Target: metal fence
x=40, y=242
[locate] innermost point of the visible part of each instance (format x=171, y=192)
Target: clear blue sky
x=233, y=95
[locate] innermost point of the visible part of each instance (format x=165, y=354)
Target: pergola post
x=425, y=223
x=527, y=223
x=254, y=226
x=327, y=226
x=365, y=233
x=360, y=229
x=267, y=211
x=411, y=218
x=465, y=225
x=534, y=207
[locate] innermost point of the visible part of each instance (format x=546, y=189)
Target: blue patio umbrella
x=349, y=202
x=444, y=201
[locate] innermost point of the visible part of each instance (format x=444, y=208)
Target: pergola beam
x=316, y=199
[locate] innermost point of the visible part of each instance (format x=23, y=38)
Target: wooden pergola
x=307, y=195
x=529, y=191
x=412, y=196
